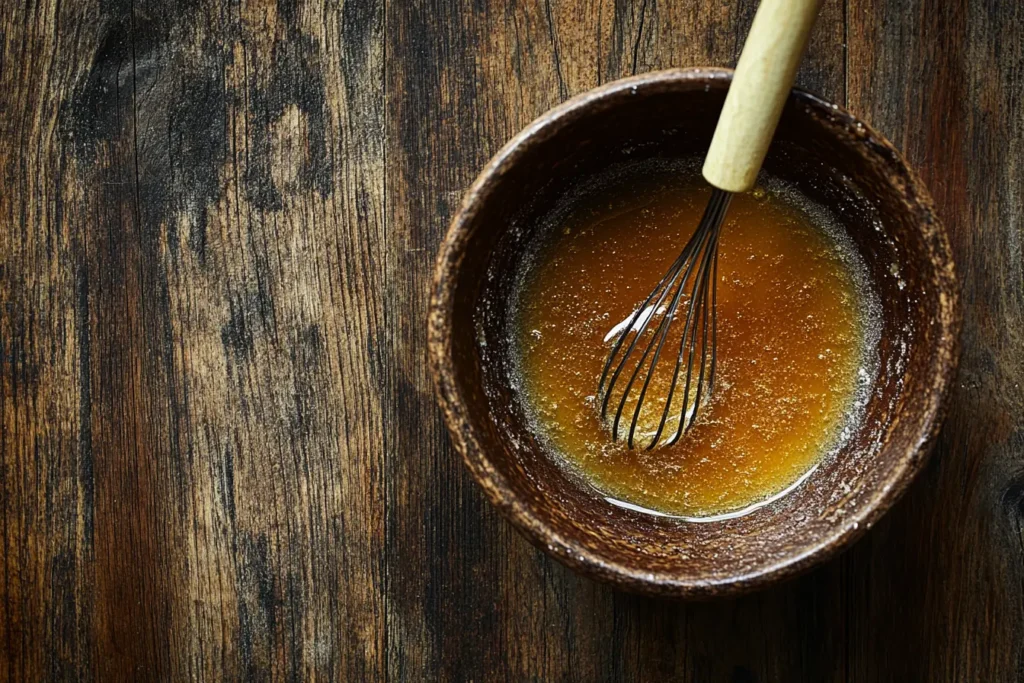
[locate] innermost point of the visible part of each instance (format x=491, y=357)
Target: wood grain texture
x=191, y=406
x=953, y=78
x=219, y=454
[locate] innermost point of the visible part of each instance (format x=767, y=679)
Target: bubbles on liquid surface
x=797, y=326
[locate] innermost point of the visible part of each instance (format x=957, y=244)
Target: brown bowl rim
x=567, y=550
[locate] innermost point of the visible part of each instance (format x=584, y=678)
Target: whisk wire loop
x=699, y=258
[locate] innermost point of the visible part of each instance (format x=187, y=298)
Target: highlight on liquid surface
x=795, y=341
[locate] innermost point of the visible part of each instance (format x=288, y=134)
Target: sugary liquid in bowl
x=795, y=341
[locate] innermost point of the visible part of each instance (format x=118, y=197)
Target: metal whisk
x=760, y=86
x=696, y=266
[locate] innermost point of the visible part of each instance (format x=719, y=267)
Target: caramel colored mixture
x=791, y=346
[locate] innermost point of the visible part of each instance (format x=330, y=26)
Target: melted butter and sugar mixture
x=794, y=342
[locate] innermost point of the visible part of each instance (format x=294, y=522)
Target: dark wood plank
x=945, y=575
x=468, y=599
x=219, y=452
x=190, y=391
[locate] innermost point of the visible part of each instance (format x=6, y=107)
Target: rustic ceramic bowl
x=834, y=159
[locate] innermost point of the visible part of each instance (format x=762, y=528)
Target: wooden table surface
x=220, y=456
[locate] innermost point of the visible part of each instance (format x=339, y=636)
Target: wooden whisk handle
x=763, y=78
